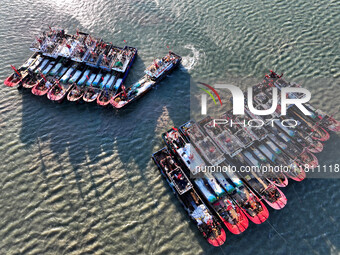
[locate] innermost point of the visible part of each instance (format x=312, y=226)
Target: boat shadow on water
x=86, y=135
x=83, y=136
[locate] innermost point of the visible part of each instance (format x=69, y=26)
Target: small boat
x=183, y=189
x=64, y=85
x=53, y=91
x=153, y=74
x=107, y=90
x=91, y=93
x=77, y=92
x=30, y=78
x=36, y=74
x=136, y=91
x=48, y=76
x=15, y=78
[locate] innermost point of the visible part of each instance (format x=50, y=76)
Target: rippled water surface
x=78, y=179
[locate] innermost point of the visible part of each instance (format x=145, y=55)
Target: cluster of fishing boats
x=232, y=198
x=81, y=67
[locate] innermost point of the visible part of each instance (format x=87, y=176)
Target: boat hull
x=103, y=102
x=240, y=226
x=11, y=81
x=73, y=96
x=60, y=96
x=219, y=240
x=260, y=217
x=279, y=203
x=29, y=84
x=90, y=96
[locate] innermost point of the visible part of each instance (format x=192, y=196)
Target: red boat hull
x=38, y=91
x=282, y=184
x=324, y=135
x=279, y=203
x=297, y=177
x=310, y=160
x=241, y=225
x=29, y=84
x=316, y=148
x=335, y=126
x=11, y=81
x=218, y=241
x=115, y=104
x=101, y=102
x=260, y=217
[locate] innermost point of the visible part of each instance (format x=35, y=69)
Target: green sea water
x=78, y=179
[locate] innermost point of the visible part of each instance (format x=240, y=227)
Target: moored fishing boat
x=29, y=78
x=325, y=120
x=91, y=93
x=48, y=77
x=273, y=196
x=314, y=124
x=225, y=208
x=36, y=75
x=153, y=74
x=244, y=197
x=77, y=92
x=207, y=224
x=107, y=92
x=64, y=85
x=15, y=78
x=110, y=90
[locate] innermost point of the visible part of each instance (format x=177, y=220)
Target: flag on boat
x=15, y=70
x=124, y=92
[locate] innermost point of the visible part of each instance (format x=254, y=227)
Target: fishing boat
x=304, y=132
x=153, y=74
x=15, y=78
x=109, y=89
x=225, y=208
x=77, y=92
x=48, y=77
x=200, y=214
x=265, y=189
x=62, y=68
x=30, y=77
x=91, y=93
x=117, y=59
x=64, y=85
x=245, y=198
x=325, y=120
x=47, y=42
x=319, y=133
x=36, y=74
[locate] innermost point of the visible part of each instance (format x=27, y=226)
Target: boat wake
x=188, y=62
